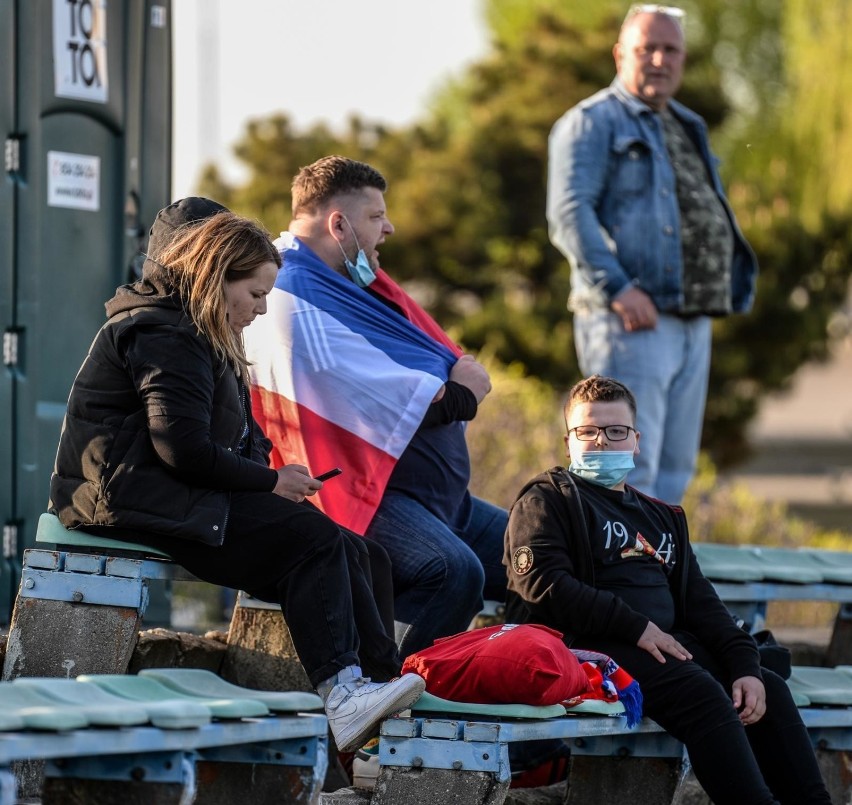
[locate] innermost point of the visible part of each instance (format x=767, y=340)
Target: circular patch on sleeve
x=522, y=560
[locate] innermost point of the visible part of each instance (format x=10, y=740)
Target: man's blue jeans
x=440, y=577
x=667, y=370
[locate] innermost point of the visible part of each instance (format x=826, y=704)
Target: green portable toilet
x=85, y=113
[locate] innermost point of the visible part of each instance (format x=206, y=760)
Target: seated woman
x=159, y=446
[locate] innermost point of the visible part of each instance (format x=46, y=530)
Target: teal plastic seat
x=100, y=708
x=11, y=720
x=198, y=682
x=727, y=562
x=434, y=704
x=143, y=689
x=788, y=565
x=822, y=686
x=38, y=712
x=596, y=707
x=836, y=566
x=51, y=530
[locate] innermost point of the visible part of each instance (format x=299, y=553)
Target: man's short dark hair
x=598, y=388
x=316, y=184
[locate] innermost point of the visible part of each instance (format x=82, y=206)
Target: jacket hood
x=155, y=289
x=171, y=218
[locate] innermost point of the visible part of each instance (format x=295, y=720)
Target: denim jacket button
x=668, y=230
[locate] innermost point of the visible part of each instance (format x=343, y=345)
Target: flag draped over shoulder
x=339, y=379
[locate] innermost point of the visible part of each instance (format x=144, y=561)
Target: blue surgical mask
x=361, y=271
x=604, y=467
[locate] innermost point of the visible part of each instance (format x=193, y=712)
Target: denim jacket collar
x=637, y=107
x=634, y=105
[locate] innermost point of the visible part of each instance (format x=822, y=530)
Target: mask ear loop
x=352, y=230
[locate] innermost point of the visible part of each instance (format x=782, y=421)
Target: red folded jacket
x=509, y=664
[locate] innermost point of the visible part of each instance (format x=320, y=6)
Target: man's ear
x=616, y=55
x=567, y=449
x=636, y=450
x=335, y=225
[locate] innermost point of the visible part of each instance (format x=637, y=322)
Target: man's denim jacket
x=612, y=203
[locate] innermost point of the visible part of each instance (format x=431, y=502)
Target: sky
x=314, y=60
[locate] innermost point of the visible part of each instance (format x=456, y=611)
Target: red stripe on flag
x=299, y=436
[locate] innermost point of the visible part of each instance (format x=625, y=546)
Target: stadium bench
x=465, y=747
x=749, y=577
x=119, y=740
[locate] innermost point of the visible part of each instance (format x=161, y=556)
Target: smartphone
x=330, y=474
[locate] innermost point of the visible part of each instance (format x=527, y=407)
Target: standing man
x=636, y=205
x=350, y=372
x=614, y=571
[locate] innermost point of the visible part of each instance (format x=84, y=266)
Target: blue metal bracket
x=149, y=767
x=8, y=788
x=290, y=752
x=658, y=744
x=446, y=754
x=84, y=588
x=838, y=739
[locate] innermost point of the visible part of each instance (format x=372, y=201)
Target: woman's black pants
x=292, y=554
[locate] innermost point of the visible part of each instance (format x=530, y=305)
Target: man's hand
x=749, y=698
x=636, y=309
x=471, y=373
x=657, y=642
x=295, y=483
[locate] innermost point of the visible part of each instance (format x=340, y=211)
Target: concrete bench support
x=649, y=780
x=260, y=650
x=839, y=650
x=78, y=613
x=409, y=786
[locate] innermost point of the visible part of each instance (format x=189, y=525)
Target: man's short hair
x=598, y=388
x=316, y=184
x=675, y=14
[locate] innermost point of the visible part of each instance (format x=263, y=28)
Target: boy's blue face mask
x=361, y=271
x=607, y=468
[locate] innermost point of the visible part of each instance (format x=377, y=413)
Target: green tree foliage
x=820, y=121
x=467, y=183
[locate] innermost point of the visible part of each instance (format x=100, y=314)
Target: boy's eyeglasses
x=615, y=433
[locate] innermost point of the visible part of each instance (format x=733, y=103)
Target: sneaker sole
x=371, y=730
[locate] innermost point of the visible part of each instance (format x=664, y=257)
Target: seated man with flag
x=349, y=371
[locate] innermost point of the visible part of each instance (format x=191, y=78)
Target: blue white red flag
x=340, y=379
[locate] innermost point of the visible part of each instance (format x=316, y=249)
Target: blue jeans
x=667, y=370
x=440, y=576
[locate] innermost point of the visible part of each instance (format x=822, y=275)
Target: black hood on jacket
x=154, y=289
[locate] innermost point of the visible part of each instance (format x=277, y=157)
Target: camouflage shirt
x=707, y=241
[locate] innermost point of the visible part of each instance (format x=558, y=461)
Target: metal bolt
x=417, y=762
x=29, y=584
x=77, y=596
x=457, y=765
x=137, y=773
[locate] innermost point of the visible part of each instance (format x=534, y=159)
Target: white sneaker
x=356, y=708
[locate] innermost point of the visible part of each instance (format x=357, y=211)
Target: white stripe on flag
x=306, y=355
